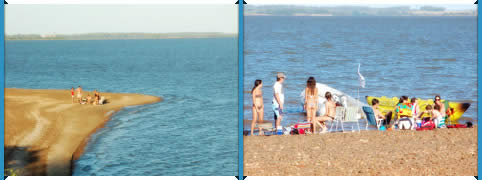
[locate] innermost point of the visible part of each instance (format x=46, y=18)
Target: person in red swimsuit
x=72, y=93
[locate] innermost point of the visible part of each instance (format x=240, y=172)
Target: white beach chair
x=351, y=116
x=339, y=116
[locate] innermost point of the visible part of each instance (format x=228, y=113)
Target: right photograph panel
x=366, y=89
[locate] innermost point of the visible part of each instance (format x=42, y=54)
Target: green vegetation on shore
x=111, y=36
x=296, y=10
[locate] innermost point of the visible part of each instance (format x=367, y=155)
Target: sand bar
x=438, y=152
x=45, y=131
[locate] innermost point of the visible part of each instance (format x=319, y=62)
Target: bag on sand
x=302, y=128
x=427, y=125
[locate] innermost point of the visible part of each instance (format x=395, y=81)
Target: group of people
x=77, y=95
x=310, y=104
x=409, y=115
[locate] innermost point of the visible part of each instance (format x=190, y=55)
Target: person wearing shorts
x=404, y=112
x=278, y=100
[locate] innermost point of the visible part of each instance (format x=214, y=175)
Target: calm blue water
x=192, y=132
x=414, y=56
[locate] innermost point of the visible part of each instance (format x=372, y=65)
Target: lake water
x=413, y=56
x=192, y=132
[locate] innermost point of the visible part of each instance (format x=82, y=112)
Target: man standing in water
x=278, y=101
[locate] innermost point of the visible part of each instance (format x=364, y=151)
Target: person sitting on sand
x=426, y=117
x=258, y=107
x=72, y=93
x=385, y=120
x=437, y=117
x=311, y=100
x=330, y=111
x=404, y=113
x=89, y=99
x=415, y=109
x=79, y=94
x=438, y=101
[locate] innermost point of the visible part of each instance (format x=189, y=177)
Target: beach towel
x=302, y=128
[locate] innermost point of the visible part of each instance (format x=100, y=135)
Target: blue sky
x=153, y=18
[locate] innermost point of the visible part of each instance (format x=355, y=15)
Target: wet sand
x=438, y=152
x=45, y=131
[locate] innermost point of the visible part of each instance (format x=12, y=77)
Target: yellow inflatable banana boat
x=455, y=111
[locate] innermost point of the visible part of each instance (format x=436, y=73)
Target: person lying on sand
x=330, y=111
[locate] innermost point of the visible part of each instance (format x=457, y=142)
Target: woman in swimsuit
x=72, y=93
x=443, y=109
x=258, y=107
x=330, y=111
x=311, y=99
x=438, y=117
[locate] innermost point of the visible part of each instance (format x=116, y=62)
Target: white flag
x=361, y=78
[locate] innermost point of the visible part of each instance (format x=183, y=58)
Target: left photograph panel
x=121, y=90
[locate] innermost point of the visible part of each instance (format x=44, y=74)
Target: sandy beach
x=45, y=131
x=438, y=152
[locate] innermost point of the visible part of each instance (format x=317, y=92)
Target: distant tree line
x=107, y=36
x=290, y=10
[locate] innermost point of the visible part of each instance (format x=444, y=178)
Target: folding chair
x=371, y=120
x=339, y=116
x=351, y=116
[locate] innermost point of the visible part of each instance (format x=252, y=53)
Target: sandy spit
x=45, y=131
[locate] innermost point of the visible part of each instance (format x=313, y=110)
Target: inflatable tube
x=338, y=96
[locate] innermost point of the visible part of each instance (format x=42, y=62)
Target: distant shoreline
x=330, y=15
x=45, y=131
x=401, y=10
x=118, y=36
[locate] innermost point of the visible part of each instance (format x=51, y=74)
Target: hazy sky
x=153, y=18
x=448, y=4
